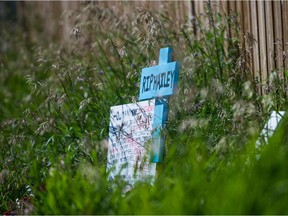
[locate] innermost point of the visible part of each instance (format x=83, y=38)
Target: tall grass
x=55, y=116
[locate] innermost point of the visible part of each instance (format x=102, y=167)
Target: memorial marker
x=159, y=82
x=133, y=126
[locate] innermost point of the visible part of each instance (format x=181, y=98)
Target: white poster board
x=270, y=127
x=129, y=142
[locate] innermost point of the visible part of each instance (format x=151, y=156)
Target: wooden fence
x=267, y=22
x=264, y=22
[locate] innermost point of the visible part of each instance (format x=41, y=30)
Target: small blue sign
x=160, y=80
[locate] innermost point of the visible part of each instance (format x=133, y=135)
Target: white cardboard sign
x=129, y=142
x=270, y=127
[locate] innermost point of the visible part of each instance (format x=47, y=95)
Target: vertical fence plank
x=285, y=32
x=232, y=11
x=232, y=6
x=188, y=7
x=57, y=12
x=239, y=18
x=199, y=6
x=247, y=43
x=262, y=44
x=179, y=12
x=277, y=17
x=215, y=5
x=182, y=10
x=246, y=17
x=66, y=26
x=193, y=10
x=199, y=11
x=172, y=11
x=239, y=12
x=269, y=36
x=254, y=31
x=285, y=40
x=224, y=7
x=224, y=10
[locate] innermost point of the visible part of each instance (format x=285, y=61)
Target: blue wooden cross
x=159, y=82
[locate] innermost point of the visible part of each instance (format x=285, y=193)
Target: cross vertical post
x=160, y=119
x=159, y=82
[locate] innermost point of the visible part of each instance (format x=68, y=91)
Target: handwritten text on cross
x=160, y=80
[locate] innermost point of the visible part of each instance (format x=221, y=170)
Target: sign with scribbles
x=129, y=139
